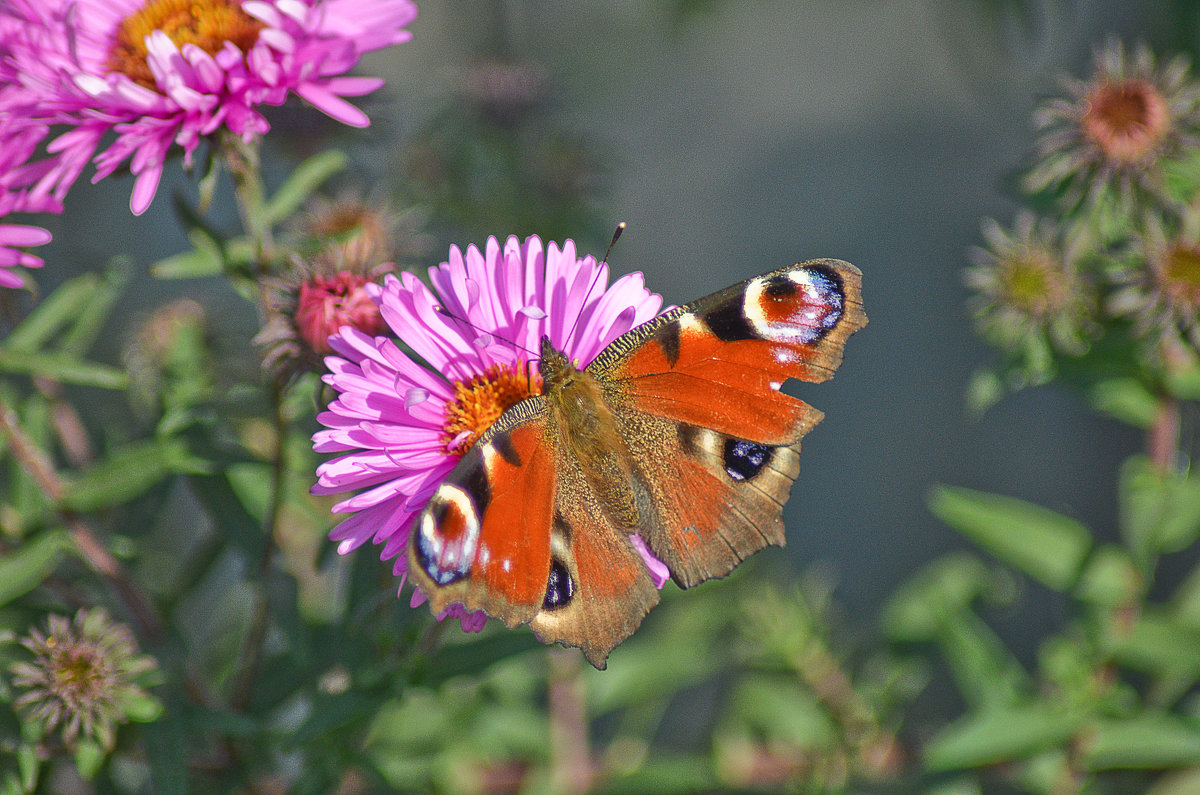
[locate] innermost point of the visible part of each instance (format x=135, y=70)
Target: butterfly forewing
x=484, y=539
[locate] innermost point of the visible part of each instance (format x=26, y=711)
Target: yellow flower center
x=479, y=402
x=1032, y=284
x=1180, y=274
x=208, y=24
x=1126, y=119
x=79, y=673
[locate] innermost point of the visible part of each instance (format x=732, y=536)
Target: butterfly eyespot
x=447, y=537
x=559, y=587
x=744, y=460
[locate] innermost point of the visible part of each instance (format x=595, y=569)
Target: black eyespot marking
x=559, y=588
x=745, y=460
x=728, y=321
x=504, y=446
x=689, y=437
x=477, y=488
x=828, y=287
x=668, y=340
x=779, y=286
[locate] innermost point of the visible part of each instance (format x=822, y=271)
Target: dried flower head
x=83, y=676
x=1159, y=284
x=310, y=304
x=1112, y=132
x=163, y=345
x=1029, y=294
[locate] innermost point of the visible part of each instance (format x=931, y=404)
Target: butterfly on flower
x=673, y=448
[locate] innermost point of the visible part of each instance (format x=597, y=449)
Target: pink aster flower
x=401, y=426
x=160, y=73
x=12, y=238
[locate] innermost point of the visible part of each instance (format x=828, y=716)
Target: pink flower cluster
x=123, y=83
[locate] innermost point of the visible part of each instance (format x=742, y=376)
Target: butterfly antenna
x=616, y=236
x=443, y=311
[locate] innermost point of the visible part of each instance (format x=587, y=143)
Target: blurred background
x=734, y=138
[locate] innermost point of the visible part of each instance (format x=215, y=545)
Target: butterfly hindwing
x=717, y=499
x=600, y=588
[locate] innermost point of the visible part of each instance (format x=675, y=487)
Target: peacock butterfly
x=677, y=432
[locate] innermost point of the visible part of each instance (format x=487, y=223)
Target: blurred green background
x=733, y=138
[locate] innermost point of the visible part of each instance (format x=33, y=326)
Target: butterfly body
x=677, y=434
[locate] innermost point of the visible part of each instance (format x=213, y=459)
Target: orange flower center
x=1126, y=119
x=479, y=402
x=1180, y=274
x=208, y=24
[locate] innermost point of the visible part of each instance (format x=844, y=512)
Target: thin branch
x=38, y=466
x=571, y=762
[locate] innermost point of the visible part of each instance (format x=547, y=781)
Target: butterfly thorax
x=587, y=428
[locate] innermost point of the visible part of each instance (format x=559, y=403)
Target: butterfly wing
x=515, y=531
x=715, y=440
x=483, y=541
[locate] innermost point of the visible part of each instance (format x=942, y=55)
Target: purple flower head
x=158, y=73
x=401, y=425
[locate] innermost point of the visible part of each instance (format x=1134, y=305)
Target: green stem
x=252, y=649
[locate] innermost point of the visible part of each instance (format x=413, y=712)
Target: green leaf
x=205, y=259
x=1109, y=579
x=86, y=326
x=1184, y=384
x=984, y=390
x=1159, y=643
x=775, y=708
x=983, y=667
x=307, y=177
x=1160, y=512
x=1001, y=734
x=54, y=313
x=139, y=706
x=167, y=750
x=29, y=765
x=129, y=472
x=667, y=773
x=1045, y=545
x=1125, y=399
x=1145, y=741
x=26, y=567
x=63, y=368
x=936, y=594
x=332, y=714
x=89, y=758
x=198, y=263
